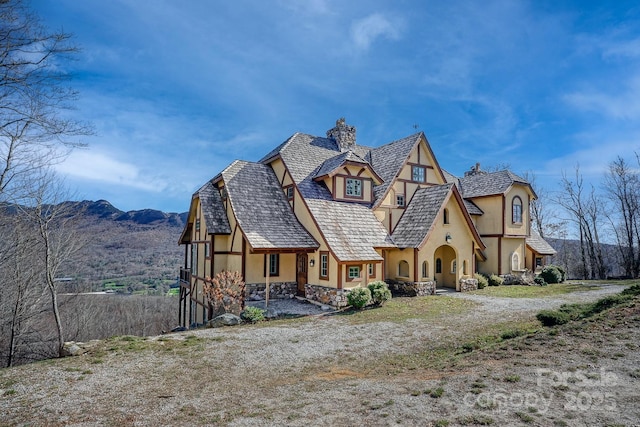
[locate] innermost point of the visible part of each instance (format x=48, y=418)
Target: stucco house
x=318, y=216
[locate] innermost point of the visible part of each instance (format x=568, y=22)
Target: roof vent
x=343, y=134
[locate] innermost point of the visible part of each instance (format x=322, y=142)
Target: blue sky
x=176, y=90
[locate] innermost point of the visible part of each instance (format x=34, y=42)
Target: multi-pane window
x=207, y=250
x=400, y=200
x=354, y=272
x=289, y=192
x=324, y=265
x=272, y=262
x=353, y=187
x=372, y=270
x=517, y=210
x=418, y=174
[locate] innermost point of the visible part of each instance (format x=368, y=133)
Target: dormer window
x=418, y=174
x=400, y=200
x=353, y=187
x=289, y=192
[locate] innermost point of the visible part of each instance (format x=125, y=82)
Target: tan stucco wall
x=510, y=227
x=491, y=221
x=255, y=269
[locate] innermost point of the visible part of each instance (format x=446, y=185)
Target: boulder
x=226, y=319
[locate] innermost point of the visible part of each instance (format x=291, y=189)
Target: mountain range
x=105, y=210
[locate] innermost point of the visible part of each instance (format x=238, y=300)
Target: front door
x=302, y=277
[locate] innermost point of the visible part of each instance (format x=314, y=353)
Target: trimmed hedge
x=359, y=297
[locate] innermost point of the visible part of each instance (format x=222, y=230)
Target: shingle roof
x=351, y=230
x=388, y=159
x=213, y=210
x=335, y=162
x=488, y=184
x=539, y=245
x=262, y=210
x=472, y=208
x=420, y=215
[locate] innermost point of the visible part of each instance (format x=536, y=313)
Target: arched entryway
x=445, y=266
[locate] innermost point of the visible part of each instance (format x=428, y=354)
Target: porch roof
x=539, y=245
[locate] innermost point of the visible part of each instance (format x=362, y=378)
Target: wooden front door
x=302, y=275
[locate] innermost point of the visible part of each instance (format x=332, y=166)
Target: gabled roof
x=388, y=160
x=539, y=245
x=213, y=211
x=215, y=217
x=473, y=208
x=420, y=216
x=351, y=230
x=490, y=184
x=332, y=165
x=261, y=208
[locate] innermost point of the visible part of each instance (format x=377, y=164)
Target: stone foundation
x=412, y=289
x=326, y=295
x=469, y=284
x=277, y=290
x=519, y=278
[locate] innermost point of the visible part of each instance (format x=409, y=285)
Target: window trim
x=346, y=187
x=277, y=265
x=372, y=270
x=423, y=170
x=289, y=189
x=400, y=197
x=352, y=278
x=325, y=255
x=514, y=216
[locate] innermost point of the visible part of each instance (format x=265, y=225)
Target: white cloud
x=101, y=167
x=624, y=105
x=365, y=31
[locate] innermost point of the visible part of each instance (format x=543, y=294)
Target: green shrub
x=380, y=292
x=539, y=281
x=482, y=280
x=252, y=314
x=632, y=290
x=562, y=272
x=551, y=274
x=553, y=317
x=359, y=297
x=495, y=280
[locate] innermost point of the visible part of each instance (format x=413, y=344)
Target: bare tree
x=622, y=185
x=585, y=212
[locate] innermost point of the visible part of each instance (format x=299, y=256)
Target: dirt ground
x=333, y=370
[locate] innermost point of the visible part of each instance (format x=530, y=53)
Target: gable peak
x=343, y=134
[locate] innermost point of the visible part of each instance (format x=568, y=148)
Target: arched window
x=516, y=208
x=446, y=216
x=438, y=266
x=515, y=262
x=464, y=267
x=425, y=269
x=454, y=266
x=403, y=269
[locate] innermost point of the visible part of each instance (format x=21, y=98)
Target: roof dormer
x=348, y=177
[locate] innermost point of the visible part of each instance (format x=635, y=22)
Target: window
x=353, y=187
x=324, y=265
x=464, y=267
x=454, y=266
x=207, y=250
x=400, y=200
x=198, y=224
x=538, y=262
x=273, y=263
x=517, y=210
x=445, y=215
x=372, y=270
x=403, y=269
x=515, y=262
x=425, y=269
x=223, y=193
x=354, y=272
x=289, y=192
x=194, y=259
x=418, y=173
x=438, y=266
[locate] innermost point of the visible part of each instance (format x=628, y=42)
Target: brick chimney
x=343, y=134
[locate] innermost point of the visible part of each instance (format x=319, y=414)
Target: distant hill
x=105, y=210
x=135, y=250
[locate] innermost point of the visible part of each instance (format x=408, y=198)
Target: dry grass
x=428, y=368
